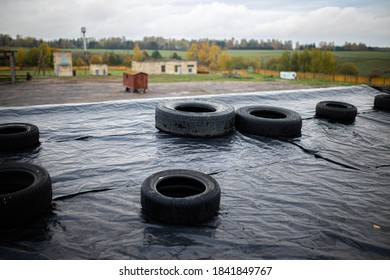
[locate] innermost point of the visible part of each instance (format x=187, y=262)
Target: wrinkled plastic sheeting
x=324, y=195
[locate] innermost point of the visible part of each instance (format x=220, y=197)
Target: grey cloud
x=304, y=21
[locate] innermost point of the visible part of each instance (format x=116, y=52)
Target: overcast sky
x=297, y=20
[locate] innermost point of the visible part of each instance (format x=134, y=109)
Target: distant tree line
x=330, y=46
x=160, y=43
x=313, y=61
x=210, y=54
x=31, y=57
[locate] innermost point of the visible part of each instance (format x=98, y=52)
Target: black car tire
x=180, y=196
x=336, y=110
x=196, y=118
x=18, y=135
x=268, y=121
x=25, y=192
x=382, y=101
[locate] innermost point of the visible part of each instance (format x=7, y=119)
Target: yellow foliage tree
x=203, y=53
x=138, y=55
x=96, y=59
x=209, y=56
x=224, y=62
x=20, y=57
x=192, y=52
x=214, y=56
x=79, y=62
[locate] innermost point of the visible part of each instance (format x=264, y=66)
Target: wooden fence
x=379, y=81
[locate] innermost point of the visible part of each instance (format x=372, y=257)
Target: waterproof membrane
x=324, y=195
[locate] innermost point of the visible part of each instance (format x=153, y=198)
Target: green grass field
x=116, y=75
x=368, y=62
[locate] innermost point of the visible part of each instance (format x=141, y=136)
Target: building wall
x=62, y=63
x=98, y=69
x=166, y=67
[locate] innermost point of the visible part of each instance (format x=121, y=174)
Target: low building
x=63, y=63
x=98, y=69
x=166, y=67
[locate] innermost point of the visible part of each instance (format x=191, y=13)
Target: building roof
x=134, y=72
x=5, y=54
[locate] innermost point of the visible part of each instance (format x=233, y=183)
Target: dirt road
x=56, y=91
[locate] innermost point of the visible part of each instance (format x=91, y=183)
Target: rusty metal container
x=135, y=81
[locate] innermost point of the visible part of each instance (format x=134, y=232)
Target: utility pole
x=83, y=30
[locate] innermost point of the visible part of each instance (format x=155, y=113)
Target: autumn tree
x=304, y=59
x=20, y=57
x=214, y=57
x=192, y=52
x=111, y=58
x=285, y=62
x=272, y=63
x=45, y=56
x=127, y=61
x=138, y=55
x=322, y=61
x=32, y=57
x=96, y=59
x=294, y=63
x=224, y=62
x=79, y=62
x=205, y=54
x=328, y=63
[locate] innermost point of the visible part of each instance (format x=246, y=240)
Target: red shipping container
x=135, y=82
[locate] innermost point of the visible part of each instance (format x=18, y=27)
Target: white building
x=98, y=69
x=63, y=63
x=166, y=66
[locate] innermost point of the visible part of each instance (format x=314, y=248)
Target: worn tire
x=198, y=118
x=25, y=192
x=268, y=121
x=382, y=101
x=180, y=196
x=335, y=110
x=18, y=135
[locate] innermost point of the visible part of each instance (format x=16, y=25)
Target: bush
x=348, y=68
x=156, y=55
x=96, y=59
